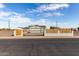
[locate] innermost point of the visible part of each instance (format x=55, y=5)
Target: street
x=40, y=47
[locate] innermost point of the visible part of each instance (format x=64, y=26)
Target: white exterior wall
x=36, y=30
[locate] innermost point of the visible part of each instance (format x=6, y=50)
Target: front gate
x=18, y=32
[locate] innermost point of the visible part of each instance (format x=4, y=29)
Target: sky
x=24, y=14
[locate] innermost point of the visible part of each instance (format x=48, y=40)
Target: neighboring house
x=35, y=30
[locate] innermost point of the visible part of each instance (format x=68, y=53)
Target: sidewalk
x=39, y=37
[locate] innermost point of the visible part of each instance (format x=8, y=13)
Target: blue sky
x=24, y=14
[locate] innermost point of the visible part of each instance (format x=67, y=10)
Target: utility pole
x=9, y=24
x=56, y=24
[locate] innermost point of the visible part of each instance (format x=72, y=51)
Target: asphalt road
x=39, y=47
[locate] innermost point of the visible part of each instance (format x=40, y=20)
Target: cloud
x=49, y=14
x=28, y=21
x=53, y=14
x=40, y=22
x=12, y=16
x=2, y=5
x=52, y=7
x=20, y=19
x=49, y=7
x=8, y=15
x=3, y=14
x=15, y=18
x=57, y=14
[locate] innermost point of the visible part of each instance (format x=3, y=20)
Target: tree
x=78, y=28
x=54, y=27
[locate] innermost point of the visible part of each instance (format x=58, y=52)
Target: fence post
x=58, y=33
x=72, y=33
